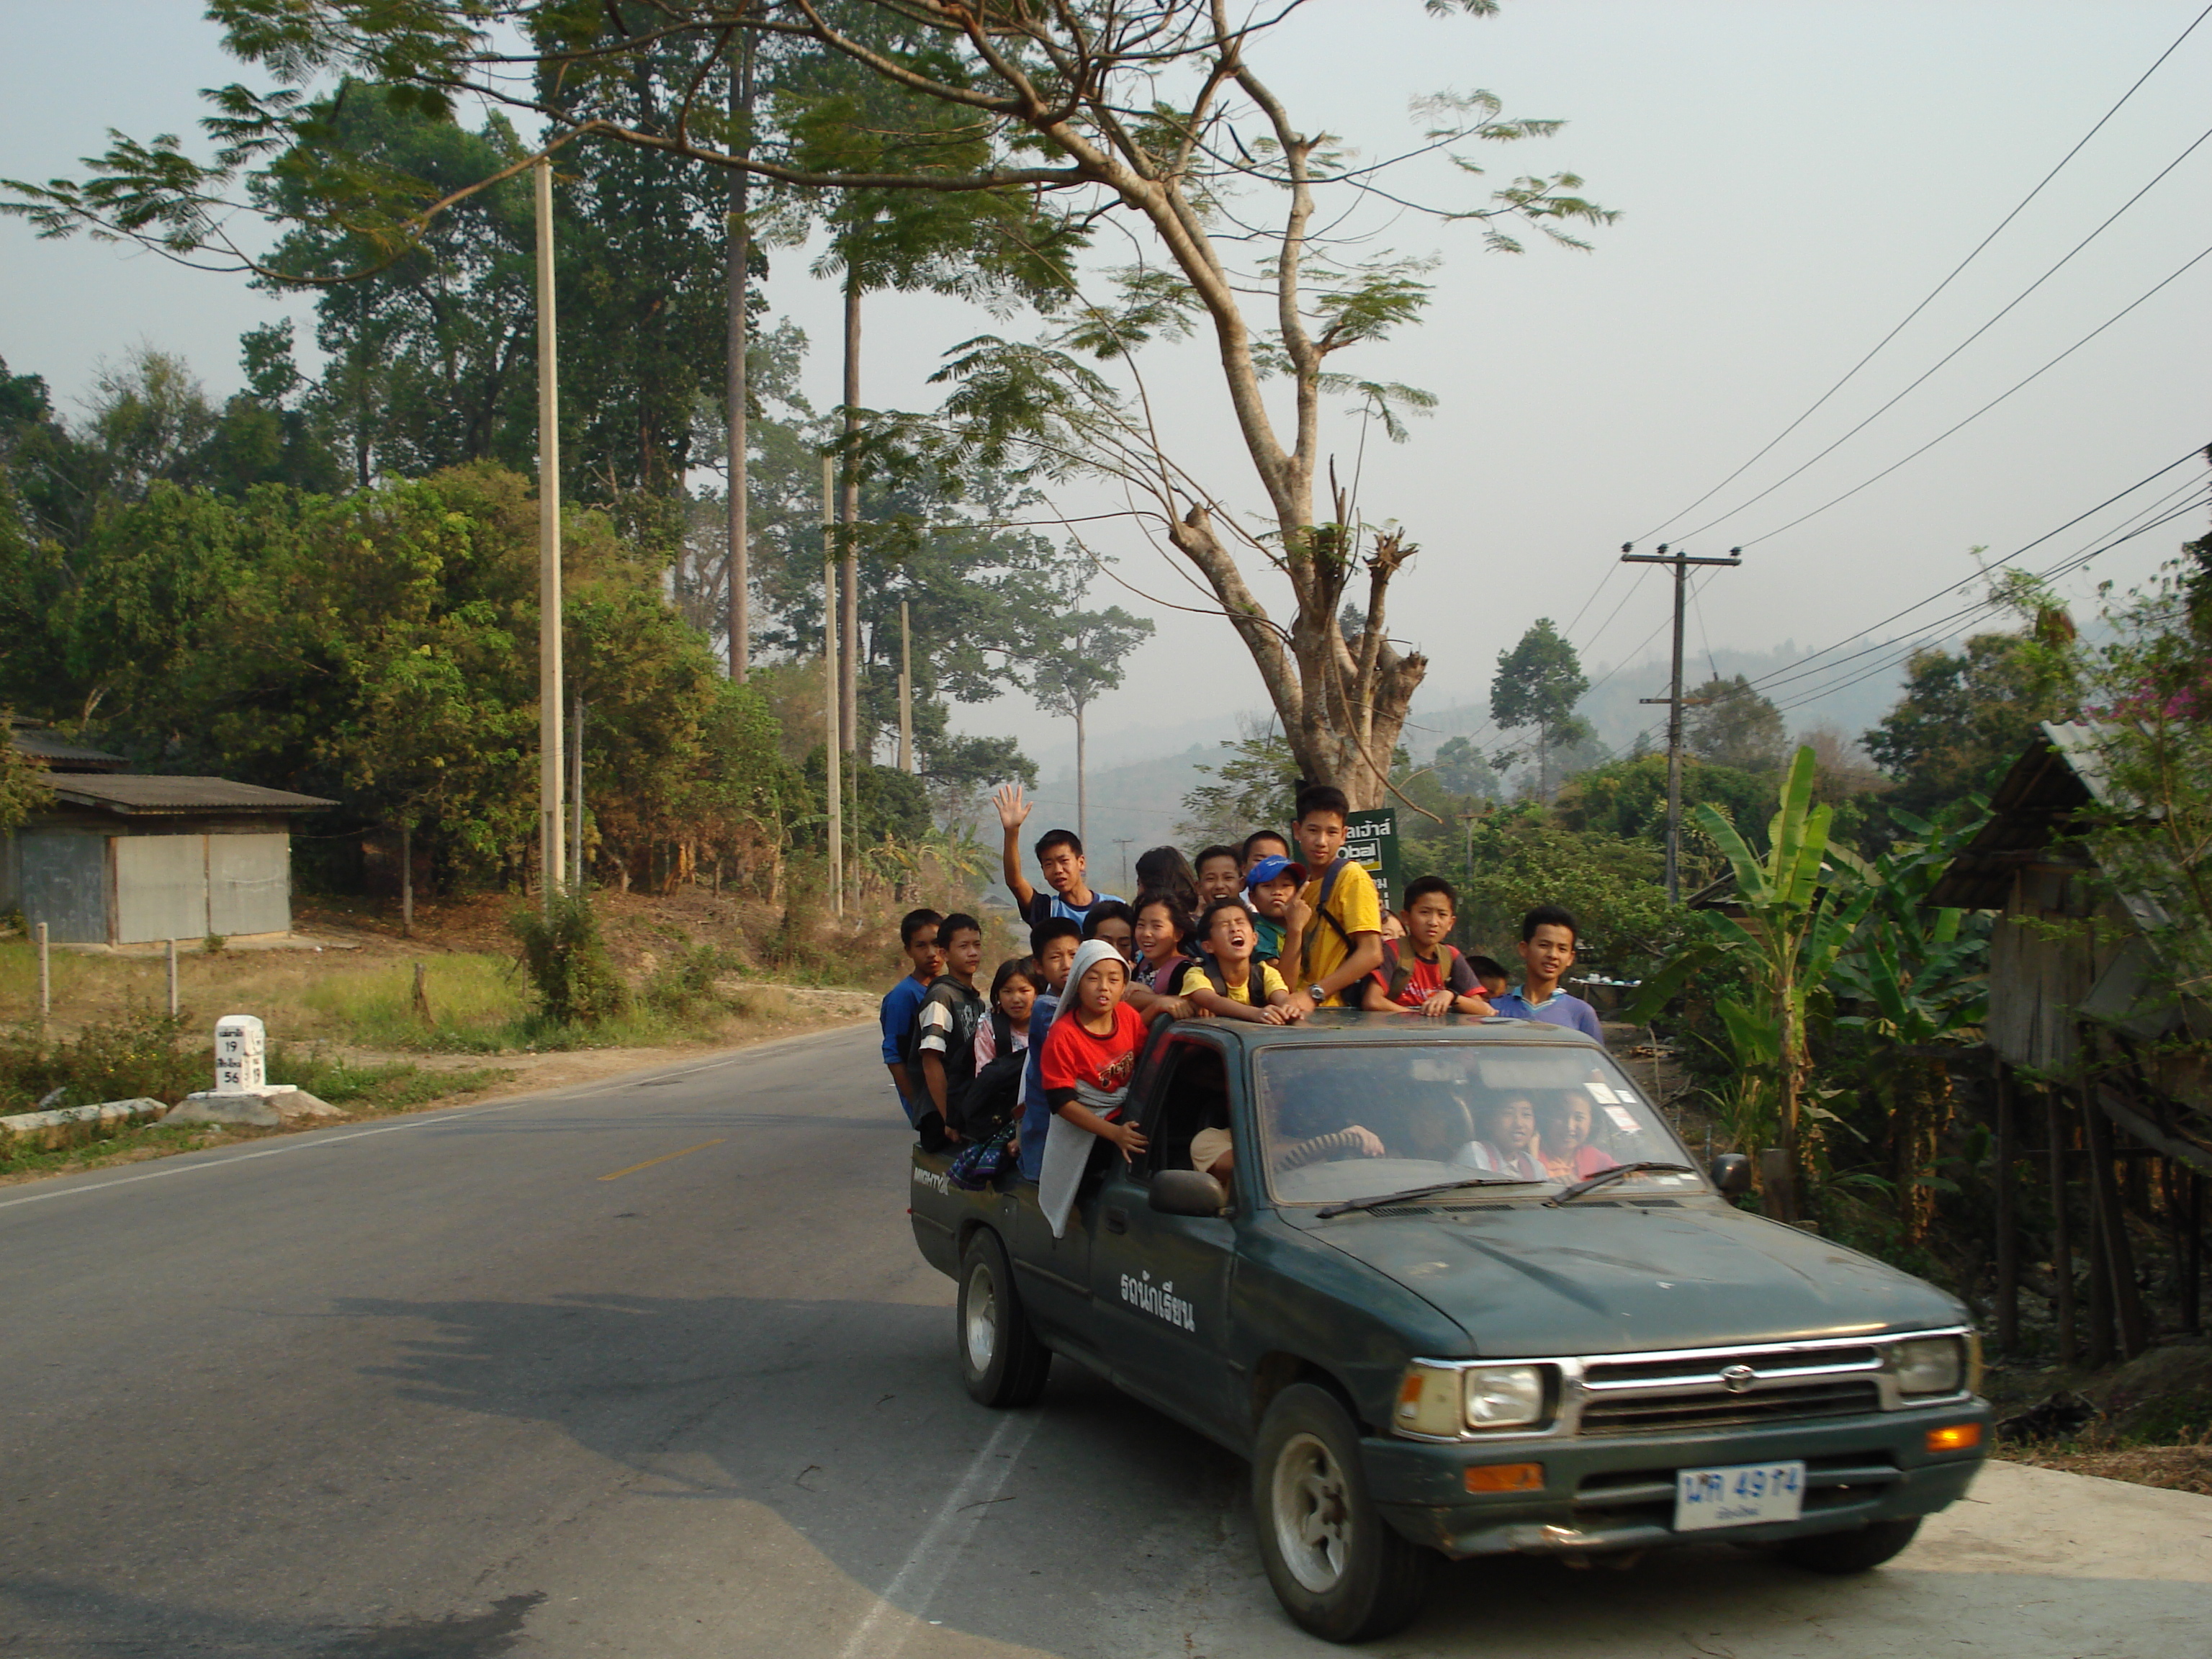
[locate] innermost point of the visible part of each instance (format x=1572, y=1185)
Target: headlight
x=1504, y=1396
x=1932, y=1365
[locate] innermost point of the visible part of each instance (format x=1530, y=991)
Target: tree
x=1073, y=101
x=1537, y=685
x=1085, y=664
x=1256, y=783
x=1729, y=723
x=1464, y=770
x=1786, y=946
x=1963, y=717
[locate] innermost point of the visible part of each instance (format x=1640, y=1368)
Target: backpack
x=960, y=1049
x=1324, y=913
x=1398, y=975
x=987, y=1104
x=1219, y=980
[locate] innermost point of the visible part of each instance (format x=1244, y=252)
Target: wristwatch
x=1318, y=991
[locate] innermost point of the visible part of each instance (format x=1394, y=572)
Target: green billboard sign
x=1371, y=840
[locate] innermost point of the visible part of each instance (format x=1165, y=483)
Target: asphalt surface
x=650, y=1367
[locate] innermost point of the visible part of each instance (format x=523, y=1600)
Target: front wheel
x=1336, y=1566
x=1001, y=1360
x=1842, y=1554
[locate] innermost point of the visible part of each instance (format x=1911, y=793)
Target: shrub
x=569, y=970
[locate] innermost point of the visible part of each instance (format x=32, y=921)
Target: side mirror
x=1187, y=1192
x=1731, y=1173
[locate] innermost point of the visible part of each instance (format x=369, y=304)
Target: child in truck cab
x=1088, y=1057
x=944, y=1040
x=1052, y=946
x=1115, y=924
x=1490, y=974
x=918, y=940
x=1226, y=981
x=1420, y=974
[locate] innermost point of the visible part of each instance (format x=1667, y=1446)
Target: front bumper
x=1603, y=1494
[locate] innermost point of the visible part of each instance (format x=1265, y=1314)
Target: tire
x=1336, y=1566
x=1842, y=1554
x=1001, y=1360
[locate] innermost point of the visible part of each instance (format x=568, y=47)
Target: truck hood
x=1524, y=1279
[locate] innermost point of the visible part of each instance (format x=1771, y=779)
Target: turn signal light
x=1505, y=1477
x=1959, y=1436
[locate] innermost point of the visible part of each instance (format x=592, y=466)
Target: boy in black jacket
x=945, y=1030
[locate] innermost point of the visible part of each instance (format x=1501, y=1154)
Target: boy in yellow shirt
x=1343, y=942
x=1233, y=986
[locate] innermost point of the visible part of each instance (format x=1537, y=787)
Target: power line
x=1776, y=676
x=1852, y=372
x=2185, y=267
x=1966, y=615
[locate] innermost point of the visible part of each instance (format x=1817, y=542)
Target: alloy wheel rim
x=981, y=1324
x=1312, y=1513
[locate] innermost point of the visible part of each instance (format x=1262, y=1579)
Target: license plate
x=1740, y=1495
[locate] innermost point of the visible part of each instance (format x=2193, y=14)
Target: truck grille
x=1657, y=1412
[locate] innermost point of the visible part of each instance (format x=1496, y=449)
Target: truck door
x=1160, y=1282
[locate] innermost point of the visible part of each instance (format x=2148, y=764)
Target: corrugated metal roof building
x=124, y=858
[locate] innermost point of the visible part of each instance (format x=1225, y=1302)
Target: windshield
x=1358, y=1120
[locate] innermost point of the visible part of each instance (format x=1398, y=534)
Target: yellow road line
x=664, y=1157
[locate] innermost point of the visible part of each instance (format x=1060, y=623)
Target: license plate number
x=1740, y=1495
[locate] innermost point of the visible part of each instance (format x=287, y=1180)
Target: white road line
x=941, y=1542
x=426, y=1120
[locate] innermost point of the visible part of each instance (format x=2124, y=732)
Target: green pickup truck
x=1461, y=1291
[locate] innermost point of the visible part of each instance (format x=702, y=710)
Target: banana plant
x=1802, y=903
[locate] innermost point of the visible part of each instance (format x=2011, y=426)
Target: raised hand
x=1013, y=810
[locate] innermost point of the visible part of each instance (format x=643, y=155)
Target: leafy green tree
x=1964, y=716
x=1729, y=723
x=1510, y=860
x=1786, y=946
x=1537, y=685
x=1916, y=974
x=1464, y=770
x=23, y=786
x=1081, y=661
x=1253, y=786
x=1073, y=103
x=1629, y=798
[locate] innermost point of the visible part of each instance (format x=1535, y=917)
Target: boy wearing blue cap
x=1279, y=915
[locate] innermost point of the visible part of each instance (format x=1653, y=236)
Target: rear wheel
x=1001, y=1360
x=1336, y=1566
x=1845, y=1553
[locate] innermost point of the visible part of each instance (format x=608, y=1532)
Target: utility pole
x=1681, y=563
x=549, y=552
x=831, y=732
x=576, y=796
x=906, y=689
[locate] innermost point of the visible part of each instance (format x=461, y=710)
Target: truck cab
x=1464, y=1292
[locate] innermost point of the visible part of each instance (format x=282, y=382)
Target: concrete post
x=173, y=979
x=241, y=1047
x=45, y=980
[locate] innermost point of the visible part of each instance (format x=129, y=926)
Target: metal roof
x=2037, y=804
x=134, y=795
x=57, y=754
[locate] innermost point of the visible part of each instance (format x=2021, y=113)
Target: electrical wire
x=2185, y=267
x=1853, y=371
x=1776, y=676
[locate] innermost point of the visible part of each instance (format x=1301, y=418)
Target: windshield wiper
x=1413, y=1193
x=1606, y=1177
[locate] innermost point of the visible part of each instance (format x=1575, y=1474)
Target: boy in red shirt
x=1420, y=974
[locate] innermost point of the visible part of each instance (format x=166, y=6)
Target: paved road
x=650, y=1368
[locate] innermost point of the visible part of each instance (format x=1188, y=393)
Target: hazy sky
x=1793, y=178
